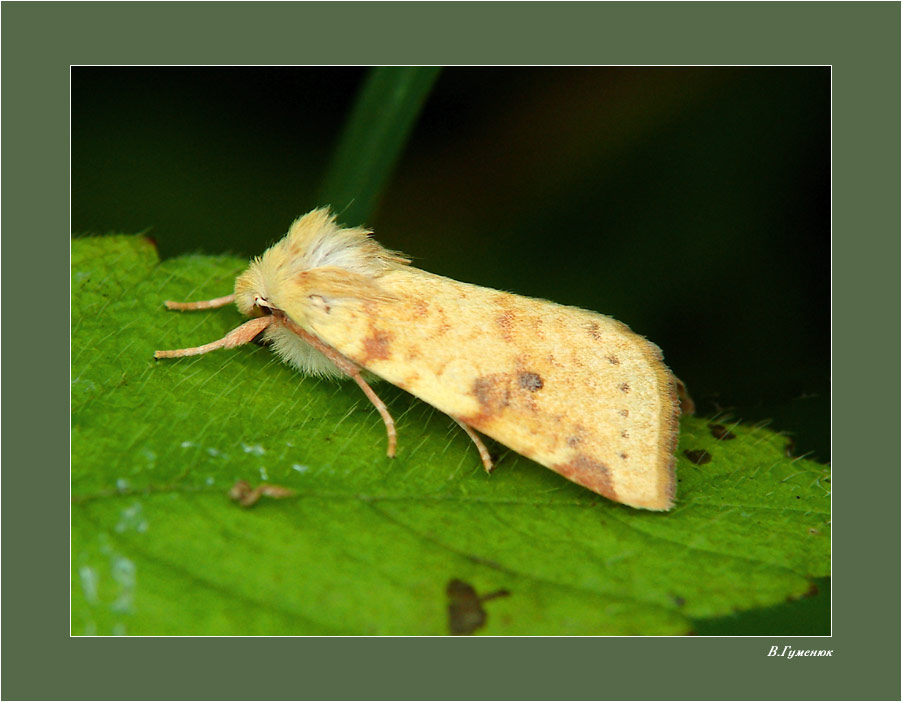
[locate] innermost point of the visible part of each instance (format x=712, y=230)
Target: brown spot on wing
x=409, y=380
x=530, y=381
x=495, y=392
x=537, y=325
x=377, y=346
x=505, y=321
x=592, y=328
x=421, y=308
x=413, y=352
x=444, y=325
x=613, y=360
x=576, y=436
x=492, y=393
x=589, y=473
x=320, y=302
x=625, y=387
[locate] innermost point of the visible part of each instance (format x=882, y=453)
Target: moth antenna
x=483, y=451
x=242, y=335
x=201, y=304
x=348, y=367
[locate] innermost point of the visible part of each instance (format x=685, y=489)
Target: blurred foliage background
x=691, y=203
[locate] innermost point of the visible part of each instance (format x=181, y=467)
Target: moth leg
x=379, y=405
x=348, y=367
x=202, y=304
x=241, y=335
x=483, y=451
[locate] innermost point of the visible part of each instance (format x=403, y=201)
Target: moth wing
x=575, y=391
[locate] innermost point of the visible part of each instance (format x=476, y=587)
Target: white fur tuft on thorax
x=313, y=241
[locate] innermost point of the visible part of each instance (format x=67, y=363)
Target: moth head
x=250, y=294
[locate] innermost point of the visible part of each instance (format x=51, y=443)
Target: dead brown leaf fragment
x=720, y=432
x=698, y=456
x=247, y=496
x=465, y=611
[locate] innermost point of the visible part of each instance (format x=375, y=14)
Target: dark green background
x=692, y=203
x=860, y=40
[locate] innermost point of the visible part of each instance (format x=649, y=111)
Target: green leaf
x=371, y=142
x=369, y=545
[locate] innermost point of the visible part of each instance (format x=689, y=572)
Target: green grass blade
x=375, y=133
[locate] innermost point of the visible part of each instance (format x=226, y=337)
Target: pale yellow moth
x=573, y=390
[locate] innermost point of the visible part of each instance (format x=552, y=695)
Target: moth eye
x=261, y=306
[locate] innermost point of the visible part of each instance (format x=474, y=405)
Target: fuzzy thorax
x=299, y=354
x=317, y=263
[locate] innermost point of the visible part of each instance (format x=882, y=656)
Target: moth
x=573, y=390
